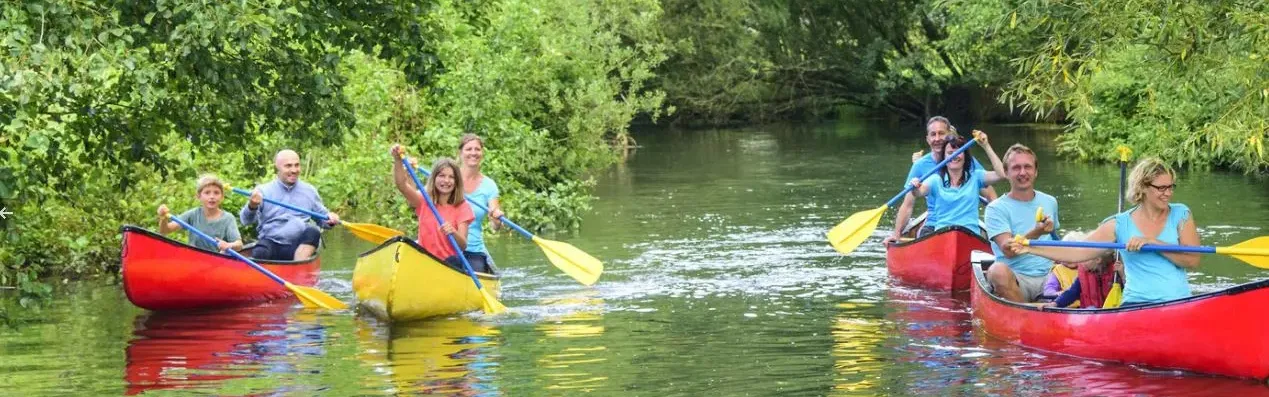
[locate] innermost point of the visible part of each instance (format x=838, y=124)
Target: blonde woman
x=1151, y=276
x=480, y=189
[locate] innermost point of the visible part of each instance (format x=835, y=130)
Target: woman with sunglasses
x=1149, y=276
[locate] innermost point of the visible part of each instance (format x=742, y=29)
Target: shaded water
x=719, y=281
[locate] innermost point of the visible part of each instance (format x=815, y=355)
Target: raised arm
x=997, y=172
x=402, y=179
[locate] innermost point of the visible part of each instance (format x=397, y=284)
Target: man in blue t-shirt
x=937, y=130
x=1021, y=278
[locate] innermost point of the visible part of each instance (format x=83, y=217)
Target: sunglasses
x=1163, y=188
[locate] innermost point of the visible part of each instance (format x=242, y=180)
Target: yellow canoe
x=399, y=281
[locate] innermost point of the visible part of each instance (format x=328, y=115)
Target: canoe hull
x=938, y=261
x=398, y=281
x=162, y=274
x=1219, y=333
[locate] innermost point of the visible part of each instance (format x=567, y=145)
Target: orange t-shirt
x=430, y=236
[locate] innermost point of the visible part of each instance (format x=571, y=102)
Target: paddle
x=310, y=297
x=1039, y=217
x=847, y=236
x=1124, y=154
x=1116, y=295
x=491, y=305
x=570, y=260
x=1254, y=251
x=365, y=231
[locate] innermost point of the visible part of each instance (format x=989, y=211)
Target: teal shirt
x=488, y=190
x=1150, y=276
x=919, y=168
x=957, y=205
x=224, y=228
x=1006, y=215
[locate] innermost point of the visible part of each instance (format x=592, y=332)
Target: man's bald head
x=287, y=162
x=284, y=155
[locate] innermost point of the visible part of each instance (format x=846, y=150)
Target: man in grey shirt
x=284, y=234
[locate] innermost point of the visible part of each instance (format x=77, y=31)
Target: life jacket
x=1095, y=286
x=1066, y=277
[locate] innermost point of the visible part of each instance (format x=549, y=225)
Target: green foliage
x=112, y=108
x=745, y=60
x=1184, y=81
x=549, y=88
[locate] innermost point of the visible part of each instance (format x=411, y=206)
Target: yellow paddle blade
x=570, y=260
x=1125, y=153
x=1257, y=260
x=315, y=298
x=1254, y=251
x=491, y=305
x=852, y=232
x=1115, y=297
x=373, y=233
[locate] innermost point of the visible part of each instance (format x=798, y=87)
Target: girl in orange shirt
x=445, y=187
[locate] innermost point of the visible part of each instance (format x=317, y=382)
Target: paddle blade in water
x=372, y=233
x=491, y=305
x=852, y=232
x=1254, y=251
x=314, y=298
x=570, y=260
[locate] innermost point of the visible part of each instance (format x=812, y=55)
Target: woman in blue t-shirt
x=1149, y=276
x=954, y=190
x=480, y=190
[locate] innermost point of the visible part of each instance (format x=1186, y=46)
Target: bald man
x=284, y=234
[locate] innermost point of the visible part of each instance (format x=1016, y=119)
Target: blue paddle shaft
x=285, y=205
x=502, y=218
x=235, y=254
x=1119, y=246
x=936, y=168
x=452, y=242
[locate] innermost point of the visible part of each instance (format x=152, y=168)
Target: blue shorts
x=480, y=262
x=269, y=250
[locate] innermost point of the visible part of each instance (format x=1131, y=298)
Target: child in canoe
x=1063, y=273
x=445, y=187
x=208, y=217
x=1082, y=284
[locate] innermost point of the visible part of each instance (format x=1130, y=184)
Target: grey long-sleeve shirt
x=277, y=223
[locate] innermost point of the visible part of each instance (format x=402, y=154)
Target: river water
x=719, y=281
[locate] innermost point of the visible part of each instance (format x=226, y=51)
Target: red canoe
x=937, y=261
x=163, y=274
x=1219, y=333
